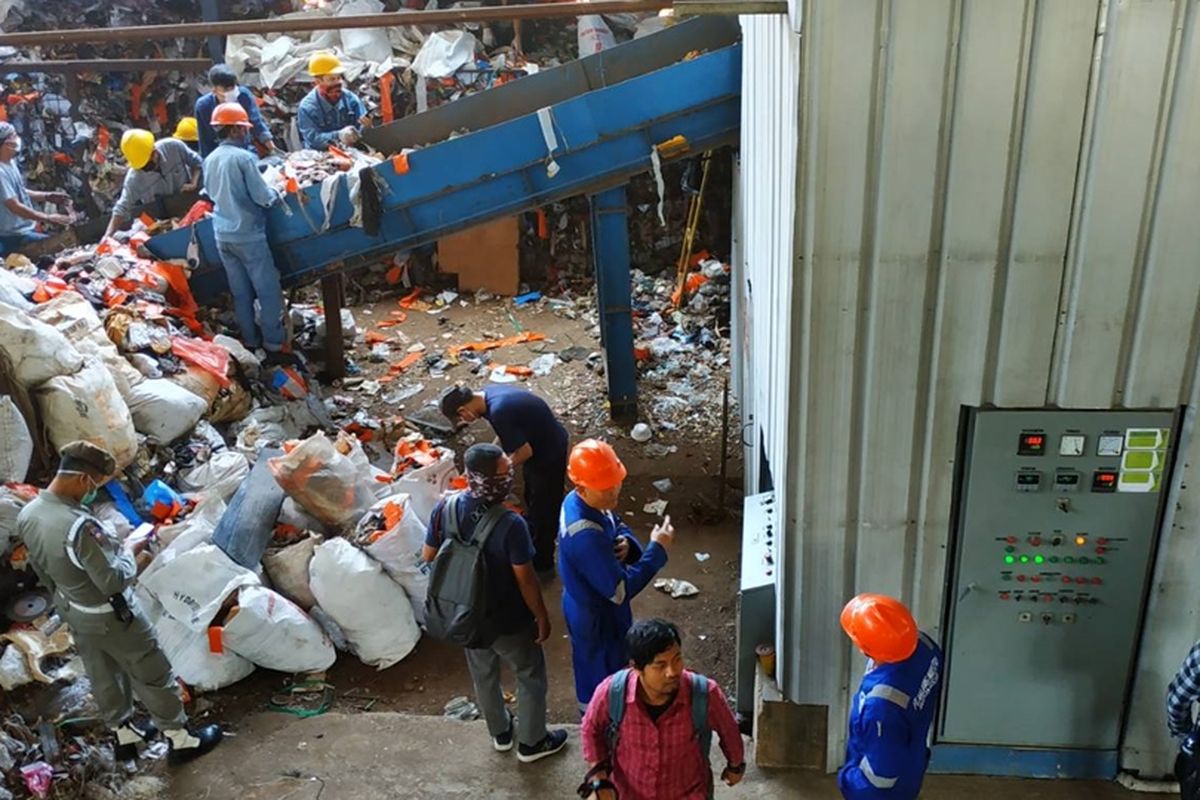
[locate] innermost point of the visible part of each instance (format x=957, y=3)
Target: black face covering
x=490, y=488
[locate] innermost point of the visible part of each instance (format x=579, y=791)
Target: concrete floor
x=369, y=756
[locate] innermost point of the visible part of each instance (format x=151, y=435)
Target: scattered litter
x=656, y=507
x=659, y=450
x=641, y=433
x=676, y=587
x=663, y=485
x=543, y=364
x=527, y=298
x=461, y=708
x=403, y=393
x=38, y=776
x=702, y=557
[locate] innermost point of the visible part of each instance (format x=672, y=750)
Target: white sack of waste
x=370, y=607
x=220, y=476
x=163, y=410
x=37, y=351
x=88, y=406
x=193, y=586
x=272, y=632
x=192, y=658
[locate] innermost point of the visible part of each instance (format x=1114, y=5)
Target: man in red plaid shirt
x=657, y=748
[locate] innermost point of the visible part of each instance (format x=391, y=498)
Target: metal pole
x=80, y=66
x=140, y=33
x=210, y=10
x=724, y=447
x=333, y=298
x=614, y=298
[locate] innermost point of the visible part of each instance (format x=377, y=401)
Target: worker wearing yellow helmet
x=188, y=132
x=156, y=169
x=329, y=114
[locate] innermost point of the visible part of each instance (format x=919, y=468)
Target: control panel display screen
x=1031, y=443
x=1104, y=481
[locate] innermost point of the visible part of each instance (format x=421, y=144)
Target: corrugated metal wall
x=998, y=202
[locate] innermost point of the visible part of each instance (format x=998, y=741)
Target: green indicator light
x=1009, y=559
x=1038, y=559
x=1053, y=559
x=1084, y=559
x=1024, y=559
x=1069, y=559
x=1099, y=560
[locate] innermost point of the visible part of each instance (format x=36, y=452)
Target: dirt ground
x=435, y=673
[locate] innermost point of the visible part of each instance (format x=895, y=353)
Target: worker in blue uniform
x=887, y=749
x=328, y=114
x=602, y=565
x=533, y=438
x=225, y=89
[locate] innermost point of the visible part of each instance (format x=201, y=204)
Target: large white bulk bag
x=16, y=450
x=272, y=632
x=192, y=659
x=220, y=476
x=398, y=549
x=37, y=351
x=87, y=406
x=370, y=607
x=163, y=410
x=194, y=585
x=75, y=318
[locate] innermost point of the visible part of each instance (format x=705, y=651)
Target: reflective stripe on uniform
x=103, y=608
x=581, y=525
x=889, y=693
x=72, y=539
x=878, y=782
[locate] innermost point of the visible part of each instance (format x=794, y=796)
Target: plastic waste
x=162, y=501
x=272, y=632
x=393, y=534
x=87, y=405
x=676, y=587
x=332, y=481
x=641, y=433
x=37, y=351
x=193, y=586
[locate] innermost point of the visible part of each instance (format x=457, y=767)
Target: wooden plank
x=484, y=257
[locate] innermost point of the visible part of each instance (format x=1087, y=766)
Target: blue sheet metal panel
x=604, y=137
x=610, y=250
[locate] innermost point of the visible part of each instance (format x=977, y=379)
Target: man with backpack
x=648, y=730
x=484, y=595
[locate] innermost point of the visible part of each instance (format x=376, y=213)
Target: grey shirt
x=174, y=170
x=12, y=186
x=74, y=555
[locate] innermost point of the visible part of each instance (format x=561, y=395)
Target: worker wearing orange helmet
x=602, y=565
x=887, y=747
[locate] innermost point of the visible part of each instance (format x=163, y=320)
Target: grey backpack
x=456, y=606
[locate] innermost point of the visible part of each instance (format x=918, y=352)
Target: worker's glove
x=348, y=135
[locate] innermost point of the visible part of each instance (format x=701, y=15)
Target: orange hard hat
x=594, y=465
x=230, y=114
x=881, y=627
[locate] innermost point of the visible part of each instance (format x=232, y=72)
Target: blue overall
x=597, y=590
x=887, y=749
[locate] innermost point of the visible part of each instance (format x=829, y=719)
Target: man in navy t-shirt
x=534, y=439
x=515, y=600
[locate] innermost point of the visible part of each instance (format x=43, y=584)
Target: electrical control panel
x=756, y=590
x=1056, y=524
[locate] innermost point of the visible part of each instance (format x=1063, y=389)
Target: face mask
x=90, y=497
x=490, y=488
x=17, y=143
x=226, y=95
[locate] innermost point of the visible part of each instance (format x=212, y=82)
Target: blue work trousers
x=14, y=243
x=252, y=275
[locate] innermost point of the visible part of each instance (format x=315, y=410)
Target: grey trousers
x=524, y=657
x=126, y=662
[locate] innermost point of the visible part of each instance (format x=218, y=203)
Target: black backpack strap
x=491, y=518
x=450, y=518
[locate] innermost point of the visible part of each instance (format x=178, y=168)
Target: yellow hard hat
x=186, y=130
x=325, y=64
x=137, y=145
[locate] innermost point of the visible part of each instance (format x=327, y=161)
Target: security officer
x=156, y=169
x=329, y=114
x=602, y=566
x=78, y=558
x=887, y=749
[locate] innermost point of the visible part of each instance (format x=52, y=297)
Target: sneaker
x=504, y=742
x=553, y=743
x=187, y=743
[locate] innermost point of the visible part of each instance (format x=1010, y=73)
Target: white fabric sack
x=594, y=35
x=13, y=289
x=38, y=351
x=398, y=551
x=192, y=531
x=290, y=513
x=220, y=476
x=287, y=569
x=10, y=507
x=17, y=449
x=444, y=53
x=75, y=318
x=163, y=410
x=193, y=586
x=273, y=633
x=370, y=607
x=193, y=661
x=88, y=406
x=365, y=44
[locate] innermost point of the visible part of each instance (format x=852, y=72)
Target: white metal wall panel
x=997, y=202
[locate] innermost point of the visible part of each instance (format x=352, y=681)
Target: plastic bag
x=331, y=482
x=163, y=410
x=199, y=382
x=88, y=406
x=193, y=586
x=365, y=44
x=38, y=352
x=212, y=358
x=17, y=451
x=194, y=530
x=192, y=658
x=594, y=35
x=290, y=513
x=273, y=633
x=287, y=569
x=444, y=53
x=162, y=501
x=220, y=476
x=392, y=534
x=372, y=610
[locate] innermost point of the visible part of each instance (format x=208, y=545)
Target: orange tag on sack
x=216, y=643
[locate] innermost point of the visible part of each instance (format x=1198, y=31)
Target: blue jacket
x=887, y=748
x=208, y=137
x=240, y=195
x=319, y=122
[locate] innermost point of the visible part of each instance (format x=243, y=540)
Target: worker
x=89, y=571
x=1182, y=695
x=329, y=115
x=603, y=566
x=536, y=441
x=156, y=169
x=240, y=199
x=18, y=217
x=188, y=132
x=225, y=89
x=887, y=749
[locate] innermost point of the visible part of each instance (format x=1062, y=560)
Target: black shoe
x=188, y=743
x=130, y=736
x=278, y=358
x=504, y=742
x=553, y=743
